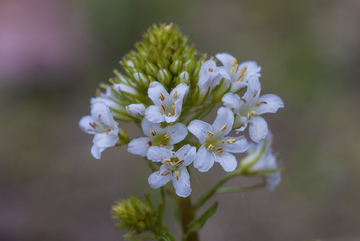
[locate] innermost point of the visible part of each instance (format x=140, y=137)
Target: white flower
x=100, y=123
x=260, y=160
x=167, y=106
x=136, y=110
x=238, y=74
x=216, y=147
x=173, y=168
x=157, y=136
x=248, y=108
x=209, y=77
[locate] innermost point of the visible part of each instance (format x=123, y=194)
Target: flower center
x=160, y=140
x=174, y=165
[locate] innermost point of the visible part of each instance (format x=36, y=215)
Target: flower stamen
x=234, y=61
x=174, y=95
x=167, y=136
x=230, y=141
x=165, y=173
x=162, y=97
x=177, y=175
x=223, y=128
x=210, y=147
x=220, y=150
x=210, y=133
x=153, y=133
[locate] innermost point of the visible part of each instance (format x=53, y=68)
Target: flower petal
x=204, y=159
x=178, y=108
x=186, y=153
x=101, y=112
x=153, y=114
x=239, y=146
x=96, y=151
x=199, y=128
x=258, y=128
x=147, y=126
x=241, y=122
x=136, y=110
x=182, y=186
x=139, y=146
x=252, y=94
x=226, y=59
x=181, y=91
x=272, y=104
x=232, y=101
x=236, y=86
x=157, y=180
x=273, y=180
x=85, y=126
x=177, y=132
x=227, y=161
x=252, y=69
x=156, y=154
x=105, y=140
x=154, y=92
x=224, y=121
x=224, y=73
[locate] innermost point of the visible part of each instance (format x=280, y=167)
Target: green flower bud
x=151, y=69
x=164, y=76
x=175, y=67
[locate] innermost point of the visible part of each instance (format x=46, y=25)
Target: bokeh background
x=53, y=54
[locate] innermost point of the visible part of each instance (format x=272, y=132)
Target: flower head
x=167, y=106
x=249, y=108
x=237, y=74
x=157, y=136
x=216, y=146
x=173, y=168
x=101, y=124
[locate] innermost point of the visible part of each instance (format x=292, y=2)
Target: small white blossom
x=136, y=110
x=101, y=124
x=157, y=136
x=237, y=74
x=248, y=108
x=167, y=106
x=216, y=147
x=260, y=160
x=173, y=168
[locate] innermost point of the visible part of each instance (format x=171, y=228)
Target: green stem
x=241, y=189
x=214, y=188
x=187, y=214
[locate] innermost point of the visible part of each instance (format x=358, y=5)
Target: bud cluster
x=167, y=88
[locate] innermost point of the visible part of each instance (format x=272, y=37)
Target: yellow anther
x=220, y=150
x=166, y=160
x=234, y=61
x=253, y=112
x=234, y=69
x=166, y=136
x=223, y=128
x=162, y=97
x=173, y=105
x=254, y=94
x=164, y=145
x=261, y=102
x=222, y=142
x=152, y=132
x=169, y=114
x=93, y=125
x=243, y=100
x=210, y=147
x=162, y=109
x=210, y=133
x=248, y=115
x=179, y=162
x=242, y=74
x=100, y=120
x=177, y=175
x=211, y=69
x=174, y=95
x=230, y=141
x=165, y=173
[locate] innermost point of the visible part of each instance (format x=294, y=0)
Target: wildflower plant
x=167, y=88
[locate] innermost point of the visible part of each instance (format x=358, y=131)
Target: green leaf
x=161, y=208
x=200, y=222
x=164, y=238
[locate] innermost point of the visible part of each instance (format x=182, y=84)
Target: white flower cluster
x=161, y=111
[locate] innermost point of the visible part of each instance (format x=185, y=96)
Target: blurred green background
x=54, y=53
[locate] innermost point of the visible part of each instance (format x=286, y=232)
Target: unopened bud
x=136, y=110
x=175, y=67
x=151, y=69
x=164, y=76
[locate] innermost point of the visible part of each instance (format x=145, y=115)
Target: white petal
x=156, y=154
x=232, y=101
x=85, y=126
x=105, y=140
x=124, y=88
x=100, y=111
x=154, y=93
x=147, y=126
x=226, y=59
x=153, y=114
x=204, y=159
x=139, y=146
x=241, y=145
x=252, y=69
x=236, y=86
x=208, y=79
x=224, y=73
x=109, y=102
x=241, y=122
x=157, y=180
x=181, y=91
x=227, y=161
x=177, y=132
x=258, y=128
x=186, y=153
x=252, y=93
x=178, y=108
x=225, y=117
x=273, y=180
x=182, y=186
x=199, y=128
x=273, y=103
x=96, y=151
x=136, y=110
